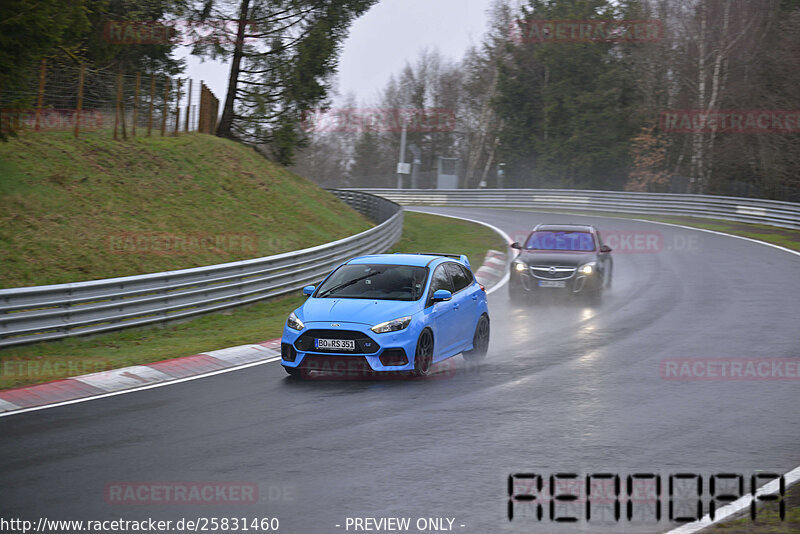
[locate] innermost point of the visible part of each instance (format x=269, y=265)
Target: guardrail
x=40, y=313
x=748, y=210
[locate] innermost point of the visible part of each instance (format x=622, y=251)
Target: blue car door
x=466, y=297
x=445, y=315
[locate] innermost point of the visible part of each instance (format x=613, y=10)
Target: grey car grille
x=554, y=272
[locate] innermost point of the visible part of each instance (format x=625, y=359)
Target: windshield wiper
x=346, y=284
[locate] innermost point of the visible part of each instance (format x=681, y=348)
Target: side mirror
x=516, y=245
x=605, y=249
x=441, y=295
x=309, y=290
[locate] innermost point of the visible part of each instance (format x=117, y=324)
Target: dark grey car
x=561, y=258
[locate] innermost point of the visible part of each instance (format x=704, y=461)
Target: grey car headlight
x=392, y=326
x=294, y=323
x=519, y=266
x=587, y=268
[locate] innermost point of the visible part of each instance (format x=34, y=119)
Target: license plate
x=552, y=283
x=335, y=344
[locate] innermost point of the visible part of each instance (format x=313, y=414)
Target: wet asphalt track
x=567, y=387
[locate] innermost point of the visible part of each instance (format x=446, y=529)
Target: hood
x=362, y=311
x=551, y=257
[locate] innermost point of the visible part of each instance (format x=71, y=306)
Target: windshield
x=570, y=241
x=380, y=282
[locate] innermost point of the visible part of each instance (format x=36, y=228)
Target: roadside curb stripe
x=124, y=378
x=187, y=366
x=6, y=406
x=242, y=354
x=52, y=392
x=135, y=378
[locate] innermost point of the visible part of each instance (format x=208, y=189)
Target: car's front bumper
x=372, y=352
x=575, y=284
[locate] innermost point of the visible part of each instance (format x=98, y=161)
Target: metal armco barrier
x=30, y=314
x=747, y=210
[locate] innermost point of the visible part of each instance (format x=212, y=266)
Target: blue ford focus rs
x=388, y=313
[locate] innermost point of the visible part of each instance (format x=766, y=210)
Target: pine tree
x=283, y=53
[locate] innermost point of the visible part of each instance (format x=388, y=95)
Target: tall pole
x=166, y=106
x=136, y=103
x=119, y=98
x=122, y=104
x=201, y=113
x=402, y=157
x=80, y=99
x=178, y=108
x=152, y=97
x=40, y=100
x=188, y=105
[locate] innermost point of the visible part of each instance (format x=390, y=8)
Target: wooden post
x=152, y=97
x=166, y=106
x=40, y=101
x=178, y=108
x=80, y=99
x=214, y=112
x=122, y=105
x=188, y=106
x=136, y=103
x=119, y=98
x=200, y=116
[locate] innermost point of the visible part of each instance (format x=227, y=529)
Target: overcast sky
x=383, y=40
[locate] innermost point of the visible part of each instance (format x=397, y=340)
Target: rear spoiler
x=460, y=257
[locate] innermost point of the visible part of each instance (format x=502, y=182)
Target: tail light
x=482, y=288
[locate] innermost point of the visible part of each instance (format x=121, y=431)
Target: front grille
x=364, y=343
x=552, y=272
x=394, y=357
x=287, y=352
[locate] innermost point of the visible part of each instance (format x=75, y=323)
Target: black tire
x=295, y=372
x=423, y=357
x=480, y=341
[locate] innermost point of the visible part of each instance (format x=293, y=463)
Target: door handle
x=455, y=306
x=475, y=296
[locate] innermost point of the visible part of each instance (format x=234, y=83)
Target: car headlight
x=519, y=266
x=294, y=323
x=392, y=326
x=587, y=268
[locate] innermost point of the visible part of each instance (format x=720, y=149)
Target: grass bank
x=89, y=208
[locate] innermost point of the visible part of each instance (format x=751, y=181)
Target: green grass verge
x=431, y=233
x=89, y=208
x=44, y=362
x=767, y=520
